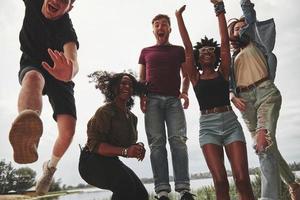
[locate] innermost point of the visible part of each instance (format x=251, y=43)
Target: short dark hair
x=161, y=16
x=209, y=43
x=107, y=82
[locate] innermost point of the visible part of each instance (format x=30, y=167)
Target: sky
x=111, y=35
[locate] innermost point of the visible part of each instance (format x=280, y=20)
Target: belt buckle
x=238, y=90
x=250, y=87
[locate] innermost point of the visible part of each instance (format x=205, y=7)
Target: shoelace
x=48, y=175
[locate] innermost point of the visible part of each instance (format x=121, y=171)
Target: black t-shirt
x=39, y=33
x=212, y=92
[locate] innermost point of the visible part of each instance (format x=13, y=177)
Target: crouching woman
x=112, y=133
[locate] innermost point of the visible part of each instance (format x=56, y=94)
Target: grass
x=204, y=193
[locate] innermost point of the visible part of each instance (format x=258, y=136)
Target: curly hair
x=206, y=43
x=107, y=82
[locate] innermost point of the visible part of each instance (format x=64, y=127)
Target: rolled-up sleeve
x=248, y=11
x=250, y=16
x=98, y=129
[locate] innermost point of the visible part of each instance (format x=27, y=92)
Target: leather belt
x=251, y=86
x=216, y=110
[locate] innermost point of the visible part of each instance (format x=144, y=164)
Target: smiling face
x=161, y=30
x=125, y=88
x=207, y=56
x=54, y=9
x=234, y=34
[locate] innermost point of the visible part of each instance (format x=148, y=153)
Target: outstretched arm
x=225, y=48
x=248, y=11
x=189, y=57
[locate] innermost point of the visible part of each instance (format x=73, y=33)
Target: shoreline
x=33, y=196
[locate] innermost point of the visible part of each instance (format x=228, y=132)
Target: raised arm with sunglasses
x=219, y=128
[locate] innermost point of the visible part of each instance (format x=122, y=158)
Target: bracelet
x=125, y=152
x=219, y=8
x=140, y=143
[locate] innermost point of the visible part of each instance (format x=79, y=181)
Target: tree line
x=22, y=179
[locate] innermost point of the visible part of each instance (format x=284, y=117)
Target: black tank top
x=212, y=92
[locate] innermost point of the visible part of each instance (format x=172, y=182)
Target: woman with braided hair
x=208, y=70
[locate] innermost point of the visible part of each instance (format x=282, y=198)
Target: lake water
x=98, y=194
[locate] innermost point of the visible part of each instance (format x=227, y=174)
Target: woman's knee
x=242, y=182
x=221, y=183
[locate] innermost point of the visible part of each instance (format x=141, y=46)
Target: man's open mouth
x=52, y=8
x=161, y=34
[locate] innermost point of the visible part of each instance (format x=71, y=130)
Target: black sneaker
x=188, y=196
x=162, y=198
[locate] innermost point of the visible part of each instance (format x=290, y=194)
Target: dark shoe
x=162, y=198
x=188, y=196
x=24, y=136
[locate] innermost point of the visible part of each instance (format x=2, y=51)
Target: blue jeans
x=262, y=112
x=220, y=129
x=167, y=110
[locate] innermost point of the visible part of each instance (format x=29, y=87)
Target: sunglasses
x=207, y=50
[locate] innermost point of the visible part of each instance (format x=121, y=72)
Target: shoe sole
x=24, y=136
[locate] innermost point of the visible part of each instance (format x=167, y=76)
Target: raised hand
x=62, y=67
x=180, y=11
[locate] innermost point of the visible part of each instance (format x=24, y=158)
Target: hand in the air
x=62, y=68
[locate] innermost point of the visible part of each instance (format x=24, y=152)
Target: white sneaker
x=43, y=184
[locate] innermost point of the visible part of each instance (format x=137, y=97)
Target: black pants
x=111, y=174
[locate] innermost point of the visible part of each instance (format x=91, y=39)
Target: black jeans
x=111, y=174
